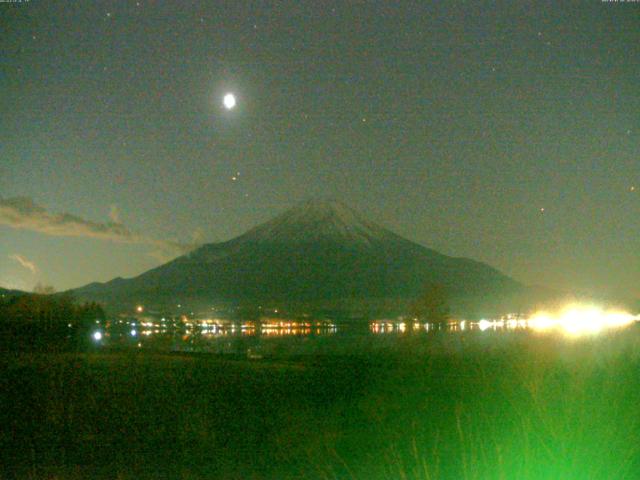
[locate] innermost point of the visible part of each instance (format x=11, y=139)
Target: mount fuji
x=318, y=256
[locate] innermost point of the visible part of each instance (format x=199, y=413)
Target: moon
x=229, y=101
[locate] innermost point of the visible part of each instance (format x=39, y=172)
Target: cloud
x=114, y=214
x=23, y=213
x=25, y=262
x=197, y=237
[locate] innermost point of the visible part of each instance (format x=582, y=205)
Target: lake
x=279, y=337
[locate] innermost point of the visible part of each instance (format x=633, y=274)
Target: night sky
x=505, y=132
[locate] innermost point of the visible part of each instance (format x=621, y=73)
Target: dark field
x=528, y=408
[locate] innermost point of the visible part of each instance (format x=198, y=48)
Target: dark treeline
x=44, y=322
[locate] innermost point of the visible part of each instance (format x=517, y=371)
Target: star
x=108, y=14
x=632, y=188
x=542, y=210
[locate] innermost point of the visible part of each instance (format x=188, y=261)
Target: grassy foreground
x=531, y=408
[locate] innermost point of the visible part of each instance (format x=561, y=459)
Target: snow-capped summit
x=319, y=220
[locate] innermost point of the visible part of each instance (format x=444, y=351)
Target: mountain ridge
x=315, y=254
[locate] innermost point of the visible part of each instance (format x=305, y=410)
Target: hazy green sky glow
x=453, y=124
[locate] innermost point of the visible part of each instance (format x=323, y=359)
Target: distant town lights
x=484, y=324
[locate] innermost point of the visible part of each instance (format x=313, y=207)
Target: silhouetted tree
x=432, y=305
x=43, y=289
x=34, y=321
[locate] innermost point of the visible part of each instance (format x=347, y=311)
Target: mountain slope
x=317, y=254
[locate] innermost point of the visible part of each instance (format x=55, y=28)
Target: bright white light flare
x=578, y=320
x=484, y=324
x=229, y=101
x=97, y=336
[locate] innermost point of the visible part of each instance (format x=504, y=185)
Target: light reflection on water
x=275, y=337
x=573, y=320
x=390, y=326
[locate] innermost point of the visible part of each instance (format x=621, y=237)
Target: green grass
x=528, y=408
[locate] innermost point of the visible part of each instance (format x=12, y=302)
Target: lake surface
x=281, y=337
